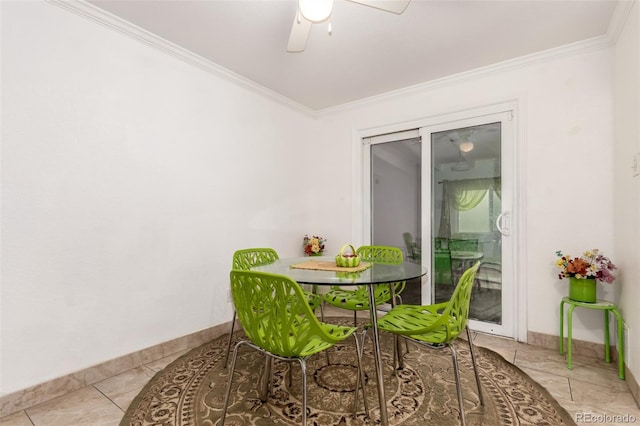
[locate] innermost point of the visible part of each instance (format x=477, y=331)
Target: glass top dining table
x=377, y=273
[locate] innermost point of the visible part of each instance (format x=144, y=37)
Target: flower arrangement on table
x=314, y=245
x=591, y=265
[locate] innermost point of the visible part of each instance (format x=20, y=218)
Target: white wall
x=129, y=177
x=626, y=188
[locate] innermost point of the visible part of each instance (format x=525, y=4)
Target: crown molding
x=592, y=44
x=102, y=17
x=113, y=22
x=616, y=24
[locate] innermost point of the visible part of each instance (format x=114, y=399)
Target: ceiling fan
x=317, y=11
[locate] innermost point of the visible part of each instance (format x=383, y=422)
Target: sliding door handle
x=502, y=223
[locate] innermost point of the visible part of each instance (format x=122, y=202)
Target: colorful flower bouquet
x=313, y=246
x=591, y=264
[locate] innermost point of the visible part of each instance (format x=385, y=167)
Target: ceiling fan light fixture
x=466, y=146
x=315, y=10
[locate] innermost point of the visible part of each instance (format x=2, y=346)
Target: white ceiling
x=370, y=51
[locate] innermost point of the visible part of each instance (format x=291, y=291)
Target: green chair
x=442, y=267
x=246, y=259
x=279, y=322
x=436, y=326
x=457, y=266
x=357, y=299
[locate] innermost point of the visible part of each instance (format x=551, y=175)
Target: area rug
x=190, y=391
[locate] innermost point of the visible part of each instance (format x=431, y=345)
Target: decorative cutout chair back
x=275, y=315
x=384, y=255
x=357, y=298
x=248, y=258
x=454, y=317
x=380, y=254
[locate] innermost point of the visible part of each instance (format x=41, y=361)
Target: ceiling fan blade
x=299, y=33
x=395, y=6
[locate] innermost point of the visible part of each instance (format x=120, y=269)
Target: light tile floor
x=590, y=390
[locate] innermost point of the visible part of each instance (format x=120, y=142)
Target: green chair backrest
x=463, y=245
x=246, y=259
x=442, y=267
x=275, y=314
x=386, y=255
x=455, y=315
x=380, y=254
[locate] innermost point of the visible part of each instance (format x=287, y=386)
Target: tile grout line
x=109, y=399
x=570, y=389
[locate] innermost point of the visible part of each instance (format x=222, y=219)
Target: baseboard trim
x=38, y=394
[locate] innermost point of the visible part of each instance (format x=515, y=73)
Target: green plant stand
x=603, y=305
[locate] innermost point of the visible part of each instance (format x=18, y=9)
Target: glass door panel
x=471, y=182
x=466, y=188
x=396, y=192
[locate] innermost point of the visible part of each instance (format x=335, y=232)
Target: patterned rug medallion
x=190, y=391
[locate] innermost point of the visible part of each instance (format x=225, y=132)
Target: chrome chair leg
x=228, y=392
x=475, y=368
x=233, y=325
x=326, y=353
x=360, y=380
x=265, y=383
x=406, y=342
x=456, y=373
x=303, y=366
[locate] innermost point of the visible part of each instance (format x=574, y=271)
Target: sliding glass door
x=469, y=205
x=443, y=192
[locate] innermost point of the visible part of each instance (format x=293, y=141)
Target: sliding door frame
x=362, y=195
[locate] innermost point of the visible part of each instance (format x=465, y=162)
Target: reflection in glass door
x=466, y=202
x=396, y=194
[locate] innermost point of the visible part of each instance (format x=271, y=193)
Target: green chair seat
x=424, y=323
